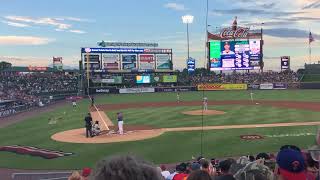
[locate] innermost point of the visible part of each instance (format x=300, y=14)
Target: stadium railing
x=43, y=176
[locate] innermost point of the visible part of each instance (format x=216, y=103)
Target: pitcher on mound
x=205, y=103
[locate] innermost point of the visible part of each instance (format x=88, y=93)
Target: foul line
x=105, y=124
x=241, y=126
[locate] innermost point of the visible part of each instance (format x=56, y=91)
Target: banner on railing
x=175, y=89
x=216, y=87
x=104, y=90
x=253, y=86
x=280, y=86
x=136, y=90
x=266, y=86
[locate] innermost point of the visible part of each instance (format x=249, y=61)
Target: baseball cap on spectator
x=195, y=166
x=291, y=164
x=290, y=147
x=86, y=172
x=200, y=158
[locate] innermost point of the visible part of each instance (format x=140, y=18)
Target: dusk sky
x=33, y=31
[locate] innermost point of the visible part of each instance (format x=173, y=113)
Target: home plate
x=257, y=103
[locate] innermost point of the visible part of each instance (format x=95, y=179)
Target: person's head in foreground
x=199, y=175
x=85, y=173
x=290, y=164
x=254, y=171
x=75, y=176
x=125, y=168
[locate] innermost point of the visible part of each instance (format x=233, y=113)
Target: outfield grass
x=293, y=95
x=169, y=147
x=166, y=117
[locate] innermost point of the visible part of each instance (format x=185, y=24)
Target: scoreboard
x=126, y=59
x=235, y=55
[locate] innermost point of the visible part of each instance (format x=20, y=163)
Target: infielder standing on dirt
x=120, y=122
x=74, y=103
x=205, y=103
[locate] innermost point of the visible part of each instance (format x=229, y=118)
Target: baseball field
x=297, y=111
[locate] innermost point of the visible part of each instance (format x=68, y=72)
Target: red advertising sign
x=57, y=59
x=36, y=68
x=147, y=61
x=231, y=33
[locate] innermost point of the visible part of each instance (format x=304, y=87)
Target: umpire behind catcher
x=88, y=120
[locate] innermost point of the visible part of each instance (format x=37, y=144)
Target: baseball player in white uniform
x=205, y=103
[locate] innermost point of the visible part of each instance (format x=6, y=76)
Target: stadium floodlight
x=187, y=19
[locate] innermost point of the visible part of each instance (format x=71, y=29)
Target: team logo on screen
x=87, y=50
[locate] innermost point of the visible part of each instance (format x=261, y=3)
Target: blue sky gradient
x=33, y=31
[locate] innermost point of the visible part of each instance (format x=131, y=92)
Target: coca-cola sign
x=238, y=33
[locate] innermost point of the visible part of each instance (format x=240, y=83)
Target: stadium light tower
x=187, y=19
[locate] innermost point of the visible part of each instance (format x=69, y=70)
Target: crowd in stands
x=185, y=79
x=252, y=77
x=26, y=89
x=290, y=163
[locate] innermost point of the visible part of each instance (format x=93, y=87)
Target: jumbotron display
x=235, y=55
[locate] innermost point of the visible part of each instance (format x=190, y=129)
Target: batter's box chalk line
x=112, y=132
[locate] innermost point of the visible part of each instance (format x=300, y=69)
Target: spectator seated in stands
x=199, y=175
x=291, y=164
x=164, y=172
x=85, y=173
x=224, y=167
x=125, y=168
x=181, y=172
x=75, y=176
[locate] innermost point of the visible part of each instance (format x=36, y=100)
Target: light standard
x=187, y=19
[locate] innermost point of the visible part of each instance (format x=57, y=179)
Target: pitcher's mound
x=206, y=112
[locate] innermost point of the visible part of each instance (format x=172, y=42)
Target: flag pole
x=309, y=53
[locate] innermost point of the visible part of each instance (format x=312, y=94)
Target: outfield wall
x=206, y=87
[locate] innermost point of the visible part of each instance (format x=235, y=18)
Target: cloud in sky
x=59, y=24
x=176, y=6
x=40, y=21
x=313, y=5
x=77, y=31
x=289, y=33
x=16, y=24
x=24, y=40
x=253, y=12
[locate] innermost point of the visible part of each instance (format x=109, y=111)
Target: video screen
x=234, y=55
x=143, y=79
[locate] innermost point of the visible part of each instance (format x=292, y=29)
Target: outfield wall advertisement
x=169, y=78
x=217, y=87
x=266, y=86
x=136, y=90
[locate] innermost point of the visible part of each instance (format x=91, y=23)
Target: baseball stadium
x=126, y=112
